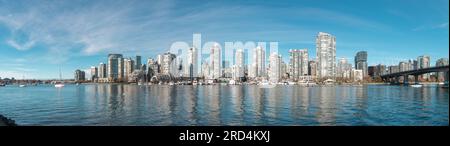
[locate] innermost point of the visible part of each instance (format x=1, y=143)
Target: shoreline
x=4, y=121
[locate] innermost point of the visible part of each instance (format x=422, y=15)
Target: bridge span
x=395, y=77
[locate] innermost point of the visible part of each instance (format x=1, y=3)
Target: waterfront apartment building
x=371, y=71
x=102, y=72
x=274, y=67
x=238, y=68
x=393, y=69
x=191, y=63
x=129, y=68
x=423, y=62
x=94, y=73
x=380, y=69
x=361, y=62
x=441, y=76
x=326, y=55
x=167, y=63
x=205, y=70
x=121, y=69
x=258, y=65
x=403, y=66
x=138, y=63
x=153, y=68
x=113, y=67
x=79, y=75
x=215, y=62
x=298, y=63
x=343, y=68
x=283, y=69
x=312, y=68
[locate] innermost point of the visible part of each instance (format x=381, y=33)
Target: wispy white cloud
x=21, y=47
x=431, y=27
x=442, y=25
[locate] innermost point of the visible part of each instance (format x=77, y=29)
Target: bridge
x=395, y=77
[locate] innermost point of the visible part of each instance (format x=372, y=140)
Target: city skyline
x=36, y=49
x=181, y=62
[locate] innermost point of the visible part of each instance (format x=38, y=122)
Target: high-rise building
x=411, y=64
x=129, y=68
x=274, y=67
x=102, y=70
x=326, y=55
x=371, y=71
x=159, y=59
x=138, y=62
x=343, y=68
x=168, y=66
x=361, y=62
x=283, y=69
x=121, y=72
x=423, y=62
x=153, y=68
x=312, y=68
x=113, y=67
x=393, y=69
x=79, y=75
x=191, y=63
x=415, y=64
x=205, y=70
x=215, y=62
x=380, y=69
x=258, y=66
x=298, y=63
x=238, y=71
x=403, y=66
x=442, y=76
x=94, y=73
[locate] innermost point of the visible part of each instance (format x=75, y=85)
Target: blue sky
x=36, y=37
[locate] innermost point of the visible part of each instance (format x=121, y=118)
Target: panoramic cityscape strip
x=168, y=68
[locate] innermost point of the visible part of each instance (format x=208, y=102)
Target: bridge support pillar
x=416, y=79
x=405, y=80
x=397, y=80
x=446, y=78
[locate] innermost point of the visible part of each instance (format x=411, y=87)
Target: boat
x=232, y=82
x=2, y=85
x=291, y=83
x=59, y=84
x=416, y=85
x=194, y=82
x=266, y=84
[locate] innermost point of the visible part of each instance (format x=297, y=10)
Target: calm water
x=109, y=104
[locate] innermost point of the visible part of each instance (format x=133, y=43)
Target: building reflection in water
x=116, y=104
x=236, y=106
x=182, y=105
x=326, y=114
x=212, y=105
x=254, y=105
x=300, y=103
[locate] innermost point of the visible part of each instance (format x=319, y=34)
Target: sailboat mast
x=60, y=76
